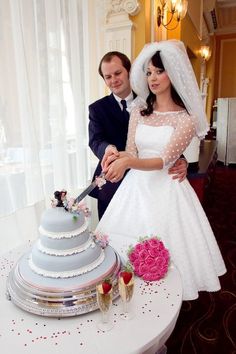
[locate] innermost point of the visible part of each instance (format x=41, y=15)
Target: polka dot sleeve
x=180, y=139
x=133, y=122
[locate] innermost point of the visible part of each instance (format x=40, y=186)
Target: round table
x=156, y=306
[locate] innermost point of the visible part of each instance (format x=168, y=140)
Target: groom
x=109, y=119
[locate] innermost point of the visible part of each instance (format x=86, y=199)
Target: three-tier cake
x=59, y=274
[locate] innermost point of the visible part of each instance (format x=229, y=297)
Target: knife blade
x=98, y=182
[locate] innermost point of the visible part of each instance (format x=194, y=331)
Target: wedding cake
x=65, y=247
x=59, y=274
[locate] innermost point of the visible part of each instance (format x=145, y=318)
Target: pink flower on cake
x=101, y=239
x=69, y=204
x=149, y=258
x=83, y=207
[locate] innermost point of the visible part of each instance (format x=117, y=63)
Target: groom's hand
x=179, y=170
x=111, y=153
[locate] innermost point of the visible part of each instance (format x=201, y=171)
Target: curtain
x=43, y=102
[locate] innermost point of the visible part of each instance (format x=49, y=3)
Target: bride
x=167, y=114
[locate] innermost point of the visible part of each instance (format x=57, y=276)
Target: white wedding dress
x=152, y=203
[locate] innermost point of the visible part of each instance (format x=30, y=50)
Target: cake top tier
x=65, y=216
x=60, y=220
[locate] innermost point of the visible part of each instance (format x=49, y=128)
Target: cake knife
x=98, y=182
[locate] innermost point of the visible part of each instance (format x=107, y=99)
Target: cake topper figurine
x=60, y=197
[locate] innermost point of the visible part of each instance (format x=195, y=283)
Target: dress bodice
x=150, y=140
x=161, y=134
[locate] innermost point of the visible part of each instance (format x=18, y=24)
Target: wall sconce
x=174, y=8
x=205, y=52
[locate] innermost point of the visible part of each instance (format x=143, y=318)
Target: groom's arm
x=97, y=134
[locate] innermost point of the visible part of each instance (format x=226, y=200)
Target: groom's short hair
x=108, y=57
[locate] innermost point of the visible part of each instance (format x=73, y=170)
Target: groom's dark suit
x=107, y=125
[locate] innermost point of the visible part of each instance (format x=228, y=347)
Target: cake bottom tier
x=60, y=297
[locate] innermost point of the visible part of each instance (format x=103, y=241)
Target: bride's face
x=158, y=80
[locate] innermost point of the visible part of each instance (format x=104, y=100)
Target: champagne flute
x=104, y=300
x=126, y=290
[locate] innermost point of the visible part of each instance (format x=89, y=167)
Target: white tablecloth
x=156, y=306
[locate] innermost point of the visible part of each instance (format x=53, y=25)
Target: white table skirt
x=156, y=306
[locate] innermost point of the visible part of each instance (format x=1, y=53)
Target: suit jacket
x=106, y=126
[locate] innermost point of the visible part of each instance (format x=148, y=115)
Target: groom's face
x=116, y=77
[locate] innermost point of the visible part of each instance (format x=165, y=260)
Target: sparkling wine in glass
x=126, y=290
x=104, y=300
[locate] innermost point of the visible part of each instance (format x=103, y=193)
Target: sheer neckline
x=169, y=112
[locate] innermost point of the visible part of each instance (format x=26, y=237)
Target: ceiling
x=220, y=16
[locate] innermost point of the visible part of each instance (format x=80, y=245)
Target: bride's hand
x=124, y=154
x=117, y=169
x=111, y=157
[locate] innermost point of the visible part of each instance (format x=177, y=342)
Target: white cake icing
x=67, y=274
x=78, y=241
x=65, y=252
x=65, y=234
x=65, y=247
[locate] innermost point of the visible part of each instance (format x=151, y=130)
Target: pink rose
x=156, y=276
x=161, y=246
x=143, y=268
x=143, y=254
x=138, y=247
x=136, y=263
x=163, y=269
x=154, y=252
x=146, y=245
x=150, y=262
x=137, y=271
x=136, y=254
x=154, y=269
x=153, y=242
x=147, y=276
x=151, y=277
x=164, y=253
x=132, y=257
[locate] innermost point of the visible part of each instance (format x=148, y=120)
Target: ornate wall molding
x=131, y=7
x=119, y=27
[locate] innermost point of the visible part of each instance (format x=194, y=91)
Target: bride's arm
x=130, y=143
x=180, y=139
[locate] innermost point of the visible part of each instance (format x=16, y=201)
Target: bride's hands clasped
x=115, y=166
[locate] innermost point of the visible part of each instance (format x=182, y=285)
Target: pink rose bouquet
x=149, y=258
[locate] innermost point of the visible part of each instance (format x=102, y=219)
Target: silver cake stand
x=59, y=297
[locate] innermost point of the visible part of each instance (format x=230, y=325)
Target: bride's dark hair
x=157, y=62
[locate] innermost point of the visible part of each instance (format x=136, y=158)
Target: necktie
x=125, y=113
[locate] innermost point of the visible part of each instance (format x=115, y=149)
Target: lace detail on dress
x=183, y=132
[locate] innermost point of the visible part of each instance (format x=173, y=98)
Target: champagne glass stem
x=125, y=306
x=105, y=316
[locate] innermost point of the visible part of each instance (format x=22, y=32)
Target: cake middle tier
x=65, y=245
x=64, y=266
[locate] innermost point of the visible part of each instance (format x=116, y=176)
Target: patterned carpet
x=208, y=324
